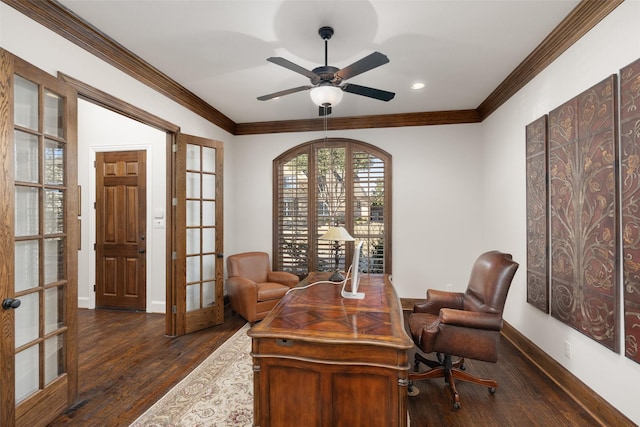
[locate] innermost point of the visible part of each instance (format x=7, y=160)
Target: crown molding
x=62, y=21
x=65, y=23
x=360, y=122
x=586, y=15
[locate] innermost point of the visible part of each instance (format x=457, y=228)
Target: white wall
x=613, y=44
x=436, y=199
x=101, y=130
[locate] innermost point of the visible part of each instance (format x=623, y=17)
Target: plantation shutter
x=327, y=183
x=369, y=210
x=292, y=212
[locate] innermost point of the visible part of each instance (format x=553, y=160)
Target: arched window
x=331, y=182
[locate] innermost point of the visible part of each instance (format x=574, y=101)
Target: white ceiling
x=461, y=49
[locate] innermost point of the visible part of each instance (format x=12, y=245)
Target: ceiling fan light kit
x=326, y=95
x=327, y=85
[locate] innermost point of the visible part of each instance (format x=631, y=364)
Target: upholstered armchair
x=252, y=287
x=465, y=325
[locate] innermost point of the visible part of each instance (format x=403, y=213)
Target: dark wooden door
x=38, y=248
x=121, y=210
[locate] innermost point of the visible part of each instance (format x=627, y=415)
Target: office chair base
x=449, y=371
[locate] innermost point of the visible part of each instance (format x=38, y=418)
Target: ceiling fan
x=327, y=82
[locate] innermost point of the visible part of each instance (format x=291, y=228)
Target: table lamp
x=337, y=234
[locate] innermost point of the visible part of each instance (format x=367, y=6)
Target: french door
x=38, y=244
x=198, y=273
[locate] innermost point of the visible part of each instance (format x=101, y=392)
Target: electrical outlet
x=567, y=349
x=449, y=287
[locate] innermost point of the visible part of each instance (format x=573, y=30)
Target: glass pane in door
x=53, y=162
x=27, y=157
x=53, y=358
x=208, y=240
x=53, y=211
x=26, y=262
x=208, y=159
x=27, y=324
x=53, y=260
x=208, y=186
x=27, y=211
x=193, y=297
x=208, y=293
x=25, y=103
x=53, y=114
x=27, y=373
x=53, y=318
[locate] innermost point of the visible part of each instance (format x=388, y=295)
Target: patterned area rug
x=219, y=392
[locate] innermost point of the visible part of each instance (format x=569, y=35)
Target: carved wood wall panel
x=537, y=218
x=582, y=154
x=630, y=195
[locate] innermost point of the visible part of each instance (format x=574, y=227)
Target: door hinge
x=174, y=309
x=174, y=256
x=94, y=164
x=174, y=201
x=94, y=288
x=94, y=246
x=175, y=148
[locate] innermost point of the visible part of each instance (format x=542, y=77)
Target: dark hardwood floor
x=126, y=364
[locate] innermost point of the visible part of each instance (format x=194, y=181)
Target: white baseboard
x=84, y=302
x=157, y=307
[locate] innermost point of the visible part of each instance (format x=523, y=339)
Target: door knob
x=10, y=303
x=141, y=251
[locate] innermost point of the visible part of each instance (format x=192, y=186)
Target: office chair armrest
x=283, y=277
x=470, y=319
x=437, y=300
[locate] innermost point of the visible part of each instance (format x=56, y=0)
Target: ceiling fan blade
x=367, y=63
x=283, y=93
x=382, y=95
x=293, y=67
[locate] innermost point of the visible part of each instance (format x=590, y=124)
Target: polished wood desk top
x=319, y=314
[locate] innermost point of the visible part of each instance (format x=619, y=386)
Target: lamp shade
x=337, y=234
x=326, y=94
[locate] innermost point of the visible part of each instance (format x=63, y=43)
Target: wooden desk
x=321, y=360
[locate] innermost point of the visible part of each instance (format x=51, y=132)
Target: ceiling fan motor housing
x=325, y=33
x=326, y=74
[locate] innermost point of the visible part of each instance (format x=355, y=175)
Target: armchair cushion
x=252, y=287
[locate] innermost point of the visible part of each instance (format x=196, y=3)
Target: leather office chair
x=252, y=287
x=462, y=324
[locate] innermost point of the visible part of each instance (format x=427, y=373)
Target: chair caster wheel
x=492, y=390
x=413, y=391
x=456, y=405
x=463, y=368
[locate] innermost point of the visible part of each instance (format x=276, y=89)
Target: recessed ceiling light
x=417, y=85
